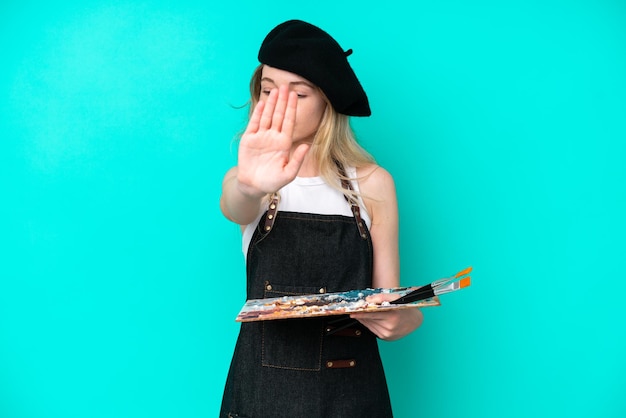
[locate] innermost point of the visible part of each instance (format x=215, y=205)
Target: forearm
x=239, y=203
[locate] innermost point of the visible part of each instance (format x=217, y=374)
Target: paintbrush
x=436, y=288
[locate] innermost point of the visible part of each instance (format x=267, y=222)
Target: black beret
x=306, y=50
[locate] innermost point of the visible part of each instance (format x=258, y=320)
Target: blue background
x=503, y=124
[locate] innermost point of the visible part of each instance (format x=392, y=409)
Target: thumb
x=296, y=159
x=379, y=298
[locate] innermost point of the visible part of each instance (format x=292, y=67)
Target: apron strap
x=270, y=216
x=272, y=209
x=354, y=205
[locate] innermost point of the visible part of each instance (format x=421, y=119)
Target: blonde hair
x=334, y=145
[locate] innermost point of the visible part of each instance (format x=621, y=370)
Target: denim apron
x=291, y=368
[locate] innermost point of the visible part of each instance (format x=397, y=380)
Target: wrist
x=249, y=192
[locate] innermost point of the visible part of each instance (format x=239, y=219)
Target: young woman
x=317, y=215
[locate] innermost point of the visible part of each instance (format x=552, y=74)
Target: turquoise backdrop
x=503, y=123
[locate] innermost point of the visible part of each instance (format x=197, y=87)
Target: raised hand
x=268, y=157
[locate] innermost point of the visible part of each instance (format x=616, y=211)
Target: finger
x=279, y=110
x=374, y=327
x=289, y=120
x=255, y=118
x=268, y=110
x=382, y=297
x=368, y=316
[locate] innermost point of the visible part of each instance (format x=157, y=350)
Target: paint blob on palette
x=325, y=304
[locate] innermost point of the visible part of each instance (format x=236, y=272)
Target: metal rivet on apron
x=357, y=332
x=329, y=364
x=270, y=216
x=322, y=290
x=268, y=287
x=267, y=228
x=352, y=363
x=272, y=206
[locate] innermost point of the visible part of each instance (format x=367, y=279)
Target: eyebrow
x=292, y=83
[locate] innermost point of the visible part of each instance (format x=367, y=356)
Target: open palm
x=267, y=160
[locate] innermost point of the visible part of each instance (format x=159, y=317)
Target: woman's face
x=311, y=103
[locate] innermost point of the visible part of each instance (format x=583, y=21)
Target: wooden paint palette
x=327, y=304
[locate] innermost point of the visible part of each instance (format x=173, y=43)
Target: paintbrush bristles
x=463, y=272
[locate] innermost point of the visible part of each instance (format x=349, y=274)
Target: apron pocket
x=294, y=344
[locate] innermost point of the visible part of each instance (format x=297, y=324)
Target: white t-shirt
x=310, y=195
